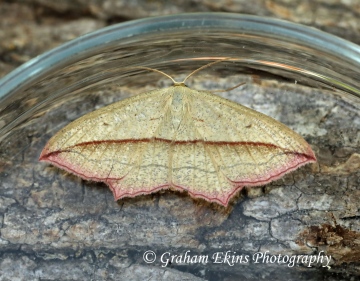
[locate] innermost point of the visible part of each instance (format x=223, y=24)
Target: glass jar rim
x=242, y=23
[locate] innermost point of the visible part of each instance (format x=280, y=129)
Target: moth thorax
x=177, y=101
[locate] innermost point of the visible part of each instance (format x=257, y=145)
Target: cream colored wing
x=231, y=146
x=109, y=143
x=181, y=138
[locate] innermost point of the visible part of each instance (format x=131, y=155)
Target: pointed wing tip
x=306, y=159
x=43, y=157
x=311, y=156
x=45, y=153
x=53, y=158
x=48, y=157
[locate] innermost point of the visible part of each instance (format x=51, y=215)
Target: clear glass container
x=301, y=76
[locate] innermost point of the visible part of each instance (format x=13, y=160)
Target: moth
x=178, y=138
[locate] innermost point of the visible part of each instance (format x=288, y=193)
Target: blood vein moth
x=178, y=138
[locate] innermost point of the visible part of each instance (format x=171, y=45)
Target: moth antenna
x=163, y=73
x=183, y=82
x=227, y=89
x=202, y=67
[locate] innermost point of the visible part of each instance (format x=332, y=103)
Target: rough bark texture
x=54, y=226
